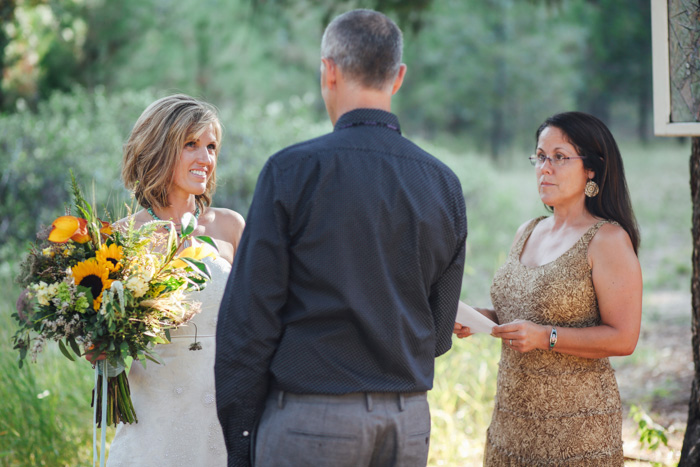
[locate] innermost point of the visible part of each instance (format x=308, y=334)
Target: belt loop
x=402, y=402
x=280, y=399
x=368, y=398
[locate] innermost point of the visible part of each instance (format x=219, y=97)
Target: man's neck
x=361, y=99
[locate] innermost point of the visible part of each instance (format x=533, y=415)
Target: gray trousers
x=353, y=430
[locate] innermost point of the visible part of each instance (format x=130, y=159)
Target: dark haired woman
x=170, y=164
x=568, y=297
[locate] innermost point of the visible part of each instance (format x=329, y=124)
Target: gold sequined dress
x=552, y=409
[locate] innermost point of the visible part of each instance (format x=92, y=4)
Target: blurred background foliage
x=77, y=73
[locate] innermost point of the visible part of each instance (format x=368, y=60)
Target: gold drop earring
x=591, y=188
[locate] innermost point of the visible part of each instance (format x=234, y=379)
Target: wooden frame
x=663, y=126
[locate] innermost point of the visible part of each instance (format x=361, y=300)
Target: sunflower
x=94, y=276
x=110, y=256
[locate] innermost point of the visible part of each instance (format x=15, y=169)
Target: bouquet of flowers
x=108, y=293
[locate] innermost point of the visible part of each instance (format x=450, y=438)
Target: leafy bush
x=85, y=132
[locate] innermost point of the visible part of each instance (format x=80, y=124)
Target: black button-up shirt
x=347, y=276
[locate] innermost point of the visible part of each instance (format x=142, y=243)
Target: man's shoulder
x=304, y=149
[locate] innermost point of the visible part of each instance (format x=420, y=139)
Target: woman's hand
x=522, y=335
x=90, y=356
x=461, y=331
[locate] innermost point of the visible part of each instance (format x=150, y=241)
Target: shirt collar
x=368, y=117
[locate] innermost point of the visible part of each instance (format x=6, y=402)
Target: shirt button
x=246, y=433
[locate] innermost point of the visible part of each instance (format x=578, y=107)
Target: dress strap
x=590, y=233
x=518, y=247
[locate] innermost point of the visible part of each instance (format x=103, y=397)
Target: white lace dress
x=174, y=402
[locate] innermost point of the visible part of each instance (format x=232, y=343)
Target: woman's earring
x=591, y=189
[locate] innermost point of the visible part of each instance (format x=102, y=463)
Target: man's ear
x=399, y=79
x=329, y=72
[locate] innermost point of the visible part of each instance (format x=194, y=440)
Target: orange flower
x=106, y=228
x=67, y=228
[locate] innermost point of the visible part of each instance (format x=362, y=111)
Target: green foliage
x=473, y=64
x=45, y=416
x=486, y=70
x=80, y=131
x=651, y=435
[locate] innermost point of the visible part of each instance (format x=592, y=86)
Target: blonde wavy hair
x=156, y=143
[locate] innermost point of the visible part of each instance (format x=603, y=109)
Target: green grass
x=56, y=429
x=45, y=414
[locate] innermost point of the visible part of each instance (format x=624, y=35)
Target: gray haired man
x=346, y=282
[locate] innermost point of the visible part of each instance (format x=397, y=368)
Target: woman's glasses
x=558, y=160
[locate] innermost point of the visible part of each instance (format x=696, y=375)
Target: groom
x=345, y=285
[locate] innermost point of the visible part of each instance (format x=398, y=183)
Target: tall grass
x=45, y=414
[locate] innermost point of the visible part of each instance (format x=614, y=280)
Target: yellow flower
x=94, y=276
x=195, y=252
x=67, y=228
x=110, y=256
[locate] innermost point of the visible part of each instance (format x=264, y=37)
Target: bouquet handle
x=103, y=437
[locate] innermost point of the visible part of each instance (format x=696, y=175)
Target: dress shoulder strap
x=590, y=233
x=518, y=247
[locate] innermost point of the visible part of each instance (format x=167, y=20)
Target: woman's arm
x=617, y=279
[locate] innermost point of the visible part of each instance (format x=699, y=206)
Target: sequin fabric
x=552, y=409
x=175, y=401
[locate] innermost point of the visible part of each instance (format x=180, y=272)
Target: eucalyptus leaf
x=65, y=351
x=208, y=240
x=187, y=224
x=199, y=266
x=172, y=239
x=74, y=346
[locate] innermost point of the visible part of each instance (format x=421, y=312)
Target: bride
x=170, y=165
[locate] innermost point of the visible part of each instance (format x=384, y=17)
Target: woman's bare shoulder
x=140, y=217
x=611, y=235
x=225, y=224
x=228, y=217
x=611, y=241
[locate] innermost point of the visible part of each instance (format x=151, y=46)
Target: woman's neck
x=176, y=209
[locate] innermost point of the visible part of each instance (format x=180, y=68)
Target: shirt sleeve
x=249, y=324
x=444, y=293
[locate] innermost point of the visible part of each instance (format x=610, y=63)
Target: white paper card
x=475, y=321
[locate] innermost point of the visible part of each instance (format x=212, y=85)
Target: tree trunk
x=690, y=454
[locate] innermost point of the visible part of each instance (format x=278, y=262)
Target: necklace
x=153, y=214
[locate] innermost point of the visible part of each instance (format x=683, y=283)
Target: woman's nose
x=547, y=166
x=204, y=156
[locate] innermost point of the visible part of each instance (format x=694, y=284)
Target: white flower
x=137, y=285
x=44, y=292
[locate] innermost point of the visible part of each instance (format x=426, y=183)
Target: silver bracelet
x=553, y=338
